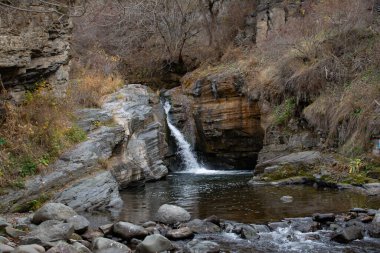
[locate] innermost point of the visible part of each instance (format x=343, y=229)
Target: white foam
x=190, y=162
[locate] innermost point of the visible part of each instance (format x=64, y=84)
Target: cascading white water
x=191, y=163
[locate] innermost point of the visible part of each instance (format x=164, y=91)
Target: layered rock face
x=34, y=47
x=126, y=144
x=223, y=125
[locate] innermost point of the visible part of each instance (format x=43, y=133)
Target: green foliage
x=285, y=111
x=355, y=165
x=75, y=134
x=18, y=183
x=28, y=167
x=286, y=171
x=2, y=142
x=32, y=205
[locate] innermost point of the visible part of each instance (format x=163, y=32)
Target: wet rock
x=248, y=232
x=62, y=247
x=372, y=189
x=303, y=225
x=5, y=248
x=154, y=243
x=48, y=233
x=358, y=210
x=324, y=217
x=287, y=199
x=213, y=219
x=106, y=229
x=79, y=222
x=275, y=225
x=53, y=211
x=260, y=228
x=14, y=233
x=149, y=224
x=374, y=227
x=290, y=181
x=372, y=212
x=128, y=230
x=181, y=233
x=171, y=214
x=100, y=192
x=203, y=227
x=33, y=248
x=81, y=248
x=348, y=234
x=197, y=246
x=101, y=245
x=366, y=219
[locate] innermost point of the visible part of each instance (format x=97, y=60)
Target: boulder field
x=57, y=228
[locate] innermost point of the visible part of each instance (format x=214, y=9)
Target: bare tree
x=73, y=8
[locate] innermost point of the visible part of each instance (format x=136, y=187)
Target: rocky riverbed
x=57, y=228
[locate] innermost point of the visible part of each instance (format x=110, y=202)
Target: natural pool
x=227, y=195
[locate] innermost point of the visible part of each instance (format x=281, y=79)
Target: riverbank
x=58, y=228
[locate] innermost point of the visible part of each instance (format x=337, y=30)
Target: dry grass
x=90, y=86
x=328, y=62
x=35, y=133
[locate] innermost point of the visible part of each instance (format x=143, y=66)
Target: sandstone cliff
x=221, y=123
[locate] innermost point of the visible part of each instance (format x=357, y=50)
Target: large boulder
x=154, y=243
x=171, y=214
x=79, y=222
x=138, y=110
x=101, y=244
x=374, y=227
x=203, y=227
x=180, y=233
x=74, y=164
x=128, y=230
x=49, y=232
x=305, y=158
x=53, y=211
x=33, y=248
x=100, y=192
x=63, y=247
x=348, y=234
x=197, y=246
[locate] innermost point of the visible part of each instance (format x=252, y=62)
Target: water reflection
x=230, y=197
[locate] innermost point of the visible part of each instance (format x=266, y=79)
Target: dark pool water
x=228, y=196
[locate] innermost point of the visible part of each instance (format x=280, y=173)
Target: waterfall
x=190, y=162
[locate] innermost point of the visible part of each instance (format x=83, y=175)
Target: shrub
x=284, y=111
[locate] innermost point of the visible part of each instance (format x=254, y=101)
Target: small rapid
x=188, y=158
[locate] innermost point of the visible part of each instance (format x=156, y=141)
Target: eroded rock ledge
x=126, y=144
